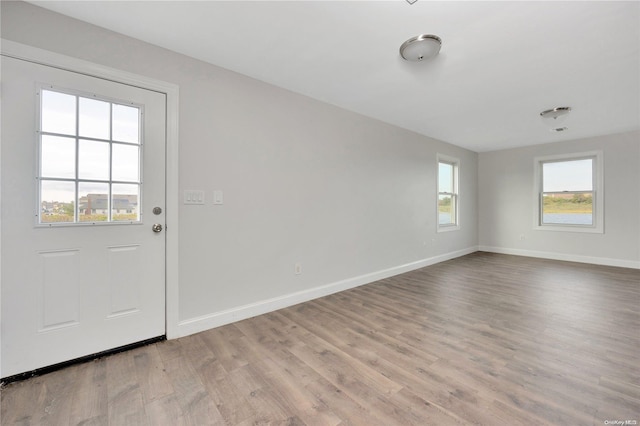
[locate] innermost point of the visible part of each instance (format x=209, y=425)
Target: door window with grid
x=90, y=152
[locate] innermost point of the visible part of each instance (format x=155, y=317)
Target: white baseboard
x=622, y=263
x=217, y=319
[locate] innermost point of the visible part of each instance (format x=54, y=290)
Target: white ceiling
x=501, y=63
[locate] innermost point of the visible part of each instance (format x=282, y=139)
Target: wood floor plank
x=482, y=339
x=293, y=394
x=349, y=410
x=89, y=400
x=125, y=402
x=232, y=405
x=151, y=373
x=194, y=401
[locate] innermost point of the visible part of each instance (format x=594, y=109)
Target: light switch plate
x=193, y=196
x=218, y=197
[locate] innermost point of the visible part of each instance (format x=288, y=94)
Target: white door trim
x=45, y=57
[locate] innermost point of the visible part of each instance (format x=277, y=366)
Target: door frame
x=44, y=57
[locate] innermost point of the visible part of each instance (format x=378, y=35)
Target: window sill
x=561, y=228
x=448, y=228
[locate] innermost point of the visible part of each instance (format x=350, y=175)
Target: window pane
x=80, y=158
x=125, y=163
x=446, y=210
x=567, y=209
x=575, y=175
x=93, y=202
x=58, y=113
x=93, y=160
x=58, y=157
x=94, y=118
x=57, y=201
x=125, y=124
x=124, y=203
x=445, y=177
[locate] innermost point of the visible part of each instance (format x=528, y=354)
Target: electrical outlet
x=522, y=237
x=297, y=269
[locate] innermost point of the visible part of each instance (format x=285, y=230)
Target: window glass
x=58, y=113
x=570, y=193
x=575, y=175
x=93, y=160
x=93, y=202
x=57, y=201
x=126, y=123
x=569, y=209
x=57, y=157
x=124, y=202
x=126, y=166
x=447, y=194
x=445, y=177
x=95, y=120
x=82, y=168
x=446, y=210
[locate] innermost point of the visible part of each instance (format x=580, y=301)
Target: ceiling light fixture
x=555, y=117
x=555, y=113
x=420, y=47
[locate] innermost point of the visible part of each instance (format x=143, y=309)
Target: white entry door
x=83, y=203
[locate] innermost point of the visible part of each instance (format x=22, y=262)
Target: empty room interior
x=403, y=212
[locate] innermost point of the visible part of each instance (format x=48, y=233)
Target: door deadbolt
x=157, y=227
x=157, y=210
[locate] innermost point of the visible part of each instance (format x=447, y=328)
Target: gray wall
x=303, y=181
x=507, y=213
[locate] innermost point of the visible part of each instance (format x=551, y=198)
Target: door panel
x=73, y=290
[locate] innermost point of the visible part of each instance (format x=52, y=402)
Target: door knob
x=157, y=227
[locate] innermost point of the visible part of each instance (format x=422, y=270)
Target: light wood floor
x=483, y=339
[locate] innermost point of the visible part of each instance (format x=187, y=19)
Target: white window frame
x=597, y=189
x=455, y=162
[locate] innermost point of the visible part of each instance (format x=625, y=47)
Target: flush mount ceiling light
x=555, y=117
x=420, y=47
x=555, y=113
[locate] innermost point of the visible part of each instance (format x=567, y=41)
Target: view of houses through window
x=90, y=156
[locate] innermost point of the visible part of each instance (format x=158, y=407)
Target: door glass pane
x=93, y=202
x=58, y=114
x=445, y=177
x=126, y=124
x=58, y=157
x=57, y=201
x=126, y=166
x=93, y=160
x=124, y=202
x=446, y=209
x=78, y=147
x=567, y=209
x=94, y=118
